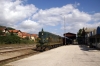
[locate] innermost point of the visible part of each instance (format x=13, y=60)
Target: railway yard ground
x=9, y=53
x=69, y=55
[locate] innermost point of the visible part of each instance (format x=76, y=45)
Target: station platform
x=69, y=55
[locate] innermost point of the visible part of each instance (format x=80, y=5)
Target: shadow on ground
x=86, y=48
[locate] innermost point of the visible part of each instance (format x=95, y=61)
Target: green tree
x=81, y=36
x=79, y=33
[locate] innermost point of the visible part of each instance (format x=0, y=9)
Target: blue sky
x=85, y=5
x=32, y=15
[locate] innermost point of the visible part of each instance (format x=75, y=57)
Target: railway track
x=14, y=49
x=15, y=46
x=8, y=55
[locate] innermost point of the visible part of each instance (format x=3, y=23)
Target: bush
x=25, y=41
x=9, y=39
x=12, y=39
x=2, y=39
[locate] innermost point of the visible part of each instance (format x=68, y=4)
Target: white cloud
x=12, y=11
x=29, y=26
x=77, y=16
x=96, y=17
x=52, y=16
x=76, y=4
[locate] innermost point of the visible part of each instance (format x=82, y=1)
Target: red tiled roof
x=69, y=34
x=34, y=35
x=25, y=34
x=2, y=28
x=14, y=31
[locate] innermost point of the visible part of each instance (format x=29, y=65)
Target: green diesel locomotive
x=48, y=40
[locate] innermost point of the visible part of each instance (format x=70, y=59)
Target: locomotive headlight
x=42, y=33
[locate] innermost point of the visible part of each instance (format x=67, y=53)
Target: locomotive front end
x=42, y=37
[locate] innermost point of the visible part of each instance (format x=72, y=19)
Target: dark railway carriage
x=66, y=41
x=94, y=38
x=48, y=40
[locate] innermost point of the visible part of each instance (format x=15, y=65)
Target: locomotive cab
x=42, y=36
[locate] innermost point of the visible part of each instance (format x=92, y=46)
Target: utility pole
x=65, y=29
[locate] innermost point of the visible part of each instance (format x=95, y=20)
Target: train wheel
x=38, y=48
x=47, y=48
x=42, y=49
x=50, y=47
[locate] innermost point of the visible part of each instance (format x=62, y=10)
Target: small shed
x=70, y=35
x=70, y=38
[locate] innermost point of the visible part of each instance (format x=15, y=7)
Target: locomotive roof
x=48, y=32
